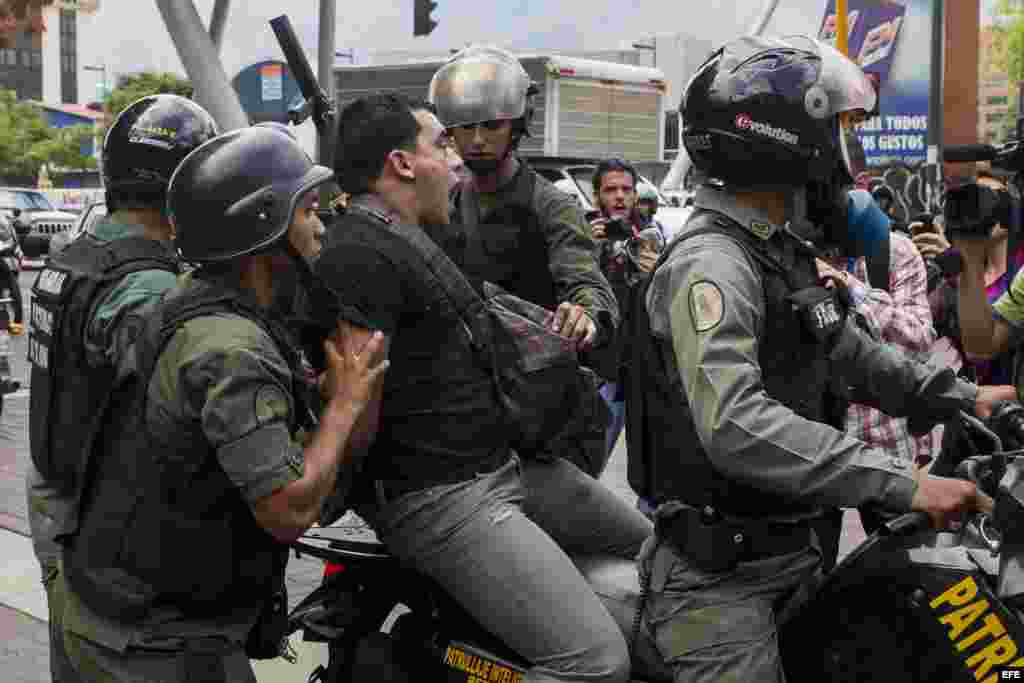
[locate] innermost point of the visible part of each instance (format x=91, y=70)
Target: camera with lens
x=616, y=229
x=972, y=210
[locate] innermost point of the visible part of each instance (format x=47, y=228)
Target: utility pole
x=213, y=90
x=217, y=22
x=327, y=134
x=935, y=91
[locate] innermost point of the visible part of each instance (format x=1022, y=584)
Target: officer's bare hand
x=356, y=363
x=646, y=257
x=570, y=320
x=989, y=396
x=948, y=500
x=826, y=272
x=16, y=329
x=930, y=244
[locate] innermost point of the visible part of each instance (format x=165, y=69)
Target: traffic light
x=422, y=24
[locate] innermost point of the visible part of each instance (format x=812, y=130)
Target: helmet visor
x=850, y=149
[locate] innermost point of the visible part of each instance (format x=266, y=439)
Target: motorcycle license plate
x=469, y=664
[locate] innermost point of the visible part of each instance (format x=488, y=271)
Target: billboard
x=891, y=40
x=266, y=90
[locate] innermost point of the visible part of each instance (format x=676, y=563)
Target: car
x=574, y=177
x=35, y=220
x=87, y=221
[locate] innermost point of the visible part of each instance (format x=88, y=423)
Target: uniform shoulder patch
x=707, y=305
x=271, y=404
x=762, y=229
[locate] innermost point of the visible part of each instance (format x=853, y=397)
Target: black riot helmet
x=237, y=193
x=146, y=143
x=773, y=112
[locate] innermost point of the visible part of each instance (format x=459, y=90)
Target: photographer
x=629, y=247
x=988, y=293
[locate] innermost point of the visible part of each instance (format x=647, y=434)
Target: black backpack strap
x=448, y=277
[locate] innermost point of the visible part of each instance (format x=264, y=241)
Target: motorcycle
x=909, y=603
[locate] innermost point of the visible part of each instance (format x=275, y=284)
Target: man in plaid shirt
x=902, y=317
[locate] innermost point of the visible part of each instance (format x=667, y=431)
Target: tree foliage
x=27, y=141
x=1011, y=29
x=1006, y=55
x=135, y=86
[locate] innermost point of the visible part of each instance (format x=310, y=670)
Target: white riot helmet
x=483, y=83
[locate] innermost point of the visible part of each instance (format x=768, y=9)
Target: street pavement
x=24, y=653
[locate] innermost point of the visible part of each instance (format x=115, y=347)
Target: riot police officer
x=79, y=302
x=212, y=459
x=737, y=348
x=513, y=227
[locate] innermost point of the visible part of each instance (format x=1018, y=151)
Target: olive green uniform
x=709, y=300
x=221, y=374
x=499, y=231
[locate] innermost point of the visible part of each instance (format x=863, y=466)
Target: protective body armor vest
x=69, y=395
x=151, y=505
x=511, y=250
x=666, y=458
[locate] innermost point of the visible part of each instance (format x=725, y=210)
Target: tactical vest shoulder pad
x=201, y=300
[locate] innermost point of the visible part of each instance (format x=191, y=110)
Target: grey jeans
x=498, y=545
x=720, y=626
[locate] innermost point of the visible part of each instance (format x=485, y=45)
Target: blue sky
x=142, y=41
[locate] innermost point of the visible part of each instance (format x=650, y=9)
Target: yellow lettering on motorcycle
x=976, y=631
x=993, y=627
x=479, y=669
x=999, y=652
x=959, y=620
x=957, y=595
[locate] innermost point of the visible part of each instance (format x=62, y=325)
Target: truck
x=585, y=109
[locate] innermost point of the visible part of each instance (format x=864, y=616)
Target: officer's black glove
x=822, y=310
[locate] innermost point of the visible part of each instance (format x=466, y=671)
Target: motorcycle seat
x=345, y=543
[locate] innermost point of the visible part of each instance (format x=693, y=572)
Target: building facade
x=39, y=53
x=996, y=94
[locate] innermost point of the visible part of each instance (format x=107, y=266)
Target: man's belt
x=716, y=544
